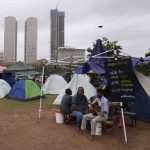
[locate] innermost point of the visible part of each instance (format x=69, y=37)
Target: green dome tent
x=25, y=90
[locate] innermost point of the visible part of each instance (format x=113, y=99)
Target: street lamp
x=100, y=26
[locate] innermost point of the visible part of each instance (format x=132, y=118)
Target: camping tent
x=54, y=84
x=24, y=90
x=18, y=67
x=4, y=88
x=77, y=81
x=144, y=81
x=9, y=73
x=29, y=73
x=141, y=106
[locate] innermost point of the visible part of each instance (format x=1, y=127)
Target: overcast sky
x=127, y=21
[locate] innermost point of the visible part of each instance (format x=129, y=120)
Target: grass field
x=10, y=106
x=21, y=129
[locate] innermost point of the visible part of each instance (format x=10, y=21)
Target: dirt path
x=23, y=130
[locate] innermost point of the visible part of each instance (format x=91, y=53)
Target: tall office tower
x=57, y=32
x=30, y=53
x=1, y=55
x=10, y=39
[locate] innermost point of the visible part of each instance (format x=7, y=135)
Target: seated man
x=79, y=106
x=65, y=106
x=96, y=116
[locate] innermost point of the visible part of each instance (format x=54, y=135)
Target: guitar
x=94, y=109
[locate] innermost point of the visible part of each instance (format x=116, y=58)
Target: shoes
x=77, y=129
x=83, y=131
x=92, y=137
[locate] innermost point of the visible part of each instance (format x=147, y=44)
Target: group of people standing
x=84, y=110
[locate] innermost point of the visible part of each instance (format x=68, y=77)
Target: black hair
x=68, y=91
x=100, y=90
x=80, y=87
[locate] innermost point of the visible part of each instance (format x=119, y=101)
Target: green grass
x=7, y=105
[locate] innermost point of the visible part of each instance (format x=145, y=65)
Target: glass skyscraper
x=57, y=32
x=30, y=53
x=10, y=39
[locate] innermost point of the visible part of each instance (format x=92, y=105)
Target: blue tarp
x=141, y=106
x=9, y=78
x=94, y=64
x=135, y=62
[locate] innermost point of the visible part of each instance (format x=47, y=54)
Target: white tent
x=144, y=81
x=54, y=84
x=77, y=80
x=4, y=88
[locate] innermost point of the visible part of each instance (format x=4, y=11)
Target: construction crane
x=57, y=4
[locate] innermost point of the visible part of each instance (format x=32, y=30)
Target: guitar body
x=95, y=109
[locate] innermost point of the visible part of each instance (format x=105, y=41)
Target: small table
x=131, y=115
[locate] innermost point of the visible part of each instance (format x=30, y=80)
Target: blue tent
x=24, y=90
x=141, y=105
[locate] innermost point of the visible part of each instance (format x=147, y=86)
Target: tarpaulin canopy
x=96, y=64
x=18, y=67
x=30, y=73
x=137, y=61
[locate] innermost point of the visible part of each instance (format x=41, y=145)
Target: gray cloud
x=124, y=20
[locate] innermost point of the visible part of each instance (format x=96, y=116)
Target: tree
x=108, y=45
x=144, y=68
x=148, y=53
x=89, y=49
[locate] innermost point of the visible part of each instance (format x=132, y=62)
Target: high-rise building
x=10, y=39
x=69, y=54
x=57, y=32
x=1, y=55
x=30, y=53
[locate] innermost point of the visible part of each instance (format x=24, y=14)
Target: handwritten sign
x=120, y=75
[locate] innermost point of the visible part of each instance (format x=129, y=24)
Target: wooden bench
x=69, y=118
x=132, y=116
x=107, y=124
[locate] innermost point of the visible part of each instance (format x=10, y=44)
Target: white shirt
x=103, y=103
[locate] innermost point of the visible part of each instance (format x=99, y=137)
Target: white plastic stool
x=98, y=129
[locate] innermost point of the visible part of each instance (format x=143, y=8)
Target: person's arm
x=86, y=108
x=74, y=104
x=95, y=100
x=76, y=108
x=68, y=101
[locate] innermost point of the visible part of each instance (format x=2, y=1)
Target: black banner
x=120, y=79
